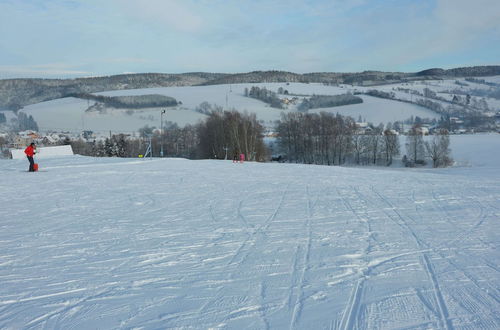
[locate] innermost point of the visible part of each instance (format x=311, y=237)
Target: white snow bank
x=44, y=152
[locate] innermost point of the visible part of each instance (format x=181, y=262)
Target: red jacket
x=30, y=151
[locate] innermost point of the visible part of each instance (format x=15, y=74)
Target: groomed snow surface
x=170, y=243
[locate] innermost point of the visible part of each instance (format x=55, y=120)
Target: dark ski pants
x=32, y=164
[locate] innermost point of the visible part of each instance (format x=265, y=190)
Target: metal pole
x=161, y=132
x=151, y=146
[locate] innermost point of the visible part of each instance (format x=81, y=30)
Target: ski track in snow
x=172, y=243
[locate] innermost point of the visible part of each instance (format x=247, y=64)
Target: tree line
x=437, y=149
x=177, y=142
x=131, y=101
x=221, y=135
x=231, y=132
x=323, y=139
x=327, y=101
x=264, y=95
x=26, y=122
x=328, y=139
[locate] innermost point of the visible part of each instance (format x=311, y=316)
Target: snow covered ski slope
x=154, y=244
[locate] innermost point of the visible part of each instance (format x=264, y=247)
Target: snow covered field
x=376, y=110
x=68, y=114
x=170, y=243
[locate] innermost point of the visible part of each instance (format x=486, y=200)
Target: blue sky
x=72, y=38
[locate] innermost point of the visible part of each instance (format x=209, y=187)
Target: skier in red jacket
x=30, y=152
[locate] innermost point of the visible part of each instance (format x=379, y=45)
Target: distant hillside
x=473, y=71
x=16, y=93
x=258, y=77
x=315, y=77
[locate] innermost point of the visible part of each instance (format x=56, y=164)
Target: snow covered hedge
x=328, y=101
x=131, y=101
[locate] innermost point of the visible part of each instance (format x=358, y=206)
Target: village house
x=51, y=139
x=393, y=132
x=24, y=138
x=422, y=130
x=363, y=128
x=288, y=101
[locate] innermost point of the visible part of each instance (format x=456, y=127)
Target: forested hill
x=360, y=78
x=16, y=93
x=472, y=71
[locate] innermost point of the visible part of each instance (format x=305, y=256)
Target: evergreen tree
x=108, y=148
x=26, y=122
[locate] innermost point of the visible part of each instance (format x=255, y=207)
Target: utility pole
x=161, y=132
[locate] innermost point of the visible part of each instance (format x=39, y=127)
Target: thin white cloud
x=126, y=60
x=52, y=70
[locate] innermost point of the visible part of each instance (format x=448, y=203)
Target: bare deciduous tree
x=391, y=145
x=415, y=146
x=438, y=149
x=316, y=138
x=232, y=132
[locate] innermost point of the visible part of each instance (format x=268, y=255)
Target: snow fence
x=45, y=152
